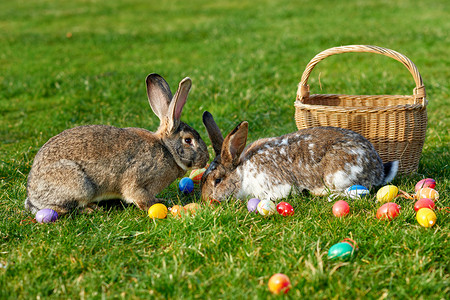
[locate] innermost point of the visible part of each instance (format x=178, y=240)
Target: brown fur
x=86, y=164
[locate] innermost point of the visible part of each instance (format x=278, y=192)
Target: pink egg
x=341, y=208
x=424, y=203
x=427, y=182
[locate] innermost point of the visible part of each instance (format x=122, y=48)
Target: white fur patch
x=354, y=172
x=344, y=179
x=260, y=184
x=340, y=180
x=284, y=142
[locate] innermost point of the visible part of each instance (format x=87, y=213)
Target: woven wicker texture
x=396, y=125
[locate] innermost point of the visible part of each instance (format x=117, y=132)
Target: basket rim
x=359, y=109
x=419, y=93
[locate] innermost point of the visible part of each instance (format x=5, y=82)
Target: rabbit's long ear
x=159, y=95
x=214, y=133
x=179, y=100
x=234, y=144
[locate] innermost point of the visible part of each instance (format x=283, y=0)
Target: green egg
x=342, y=251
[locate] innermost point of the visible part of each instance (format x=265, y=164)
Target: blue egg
x=186, y=185
x=357, y=191
x=341, y=250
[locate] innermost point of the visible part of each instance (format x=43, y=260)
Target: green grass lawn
x=69, y=63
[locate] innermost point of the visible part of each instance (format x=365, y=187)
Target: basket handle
x=418, y=92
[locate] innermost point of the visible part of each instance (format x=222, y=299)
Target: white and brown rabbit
x=320, y=160
x=86, y=164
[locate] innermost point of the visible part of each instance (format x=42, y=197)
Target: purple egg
x=46, y=215
x=252, y=205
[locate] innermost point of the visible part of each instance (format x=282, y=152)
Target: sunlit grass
x=72, y=63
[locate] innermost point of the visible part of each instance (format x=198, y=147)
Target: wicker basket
x=396, y=125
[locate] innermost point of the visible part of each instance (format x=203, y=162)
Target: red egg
x=388, y=211
x=285, y=209
x=427, y=182
x=341, y=208
x=424, y=203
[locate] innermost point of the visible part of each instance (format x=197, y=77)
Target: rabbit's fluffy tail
x=390, y=170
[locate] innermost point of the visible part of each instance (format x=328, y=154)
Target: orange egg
x=427, y=193
x=192, y=207
x=279, y=283
x=177, y=210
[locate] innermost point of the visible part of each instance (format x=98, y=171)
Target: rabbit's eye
x=188, y=141
x=217, y=181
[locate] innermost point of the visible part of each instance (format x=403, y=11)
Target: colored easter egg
x=351, y=243
x=186, y=185
x=387, y=193
x=424, y=203
x=341, y=208
x=388, y=211
x=357, y=191
x=427, y=193
x=177, y=210
x=157, y=211
x=426, y=217
x=46, y=215
x=427, y=182
x=192, y=207
x=285, y=209
x=341, y=250
x=279, y=284
x=266, y=207
x=196, y=175
x=252, y=205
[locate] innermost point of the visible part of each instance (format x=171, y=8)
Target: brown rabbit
x=86, y=164
x=320, y=160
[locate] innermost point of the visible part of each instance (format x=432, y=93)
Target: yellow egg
x=387, y=193
x=426, y=217
x=427, y=192
x=157, y=211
